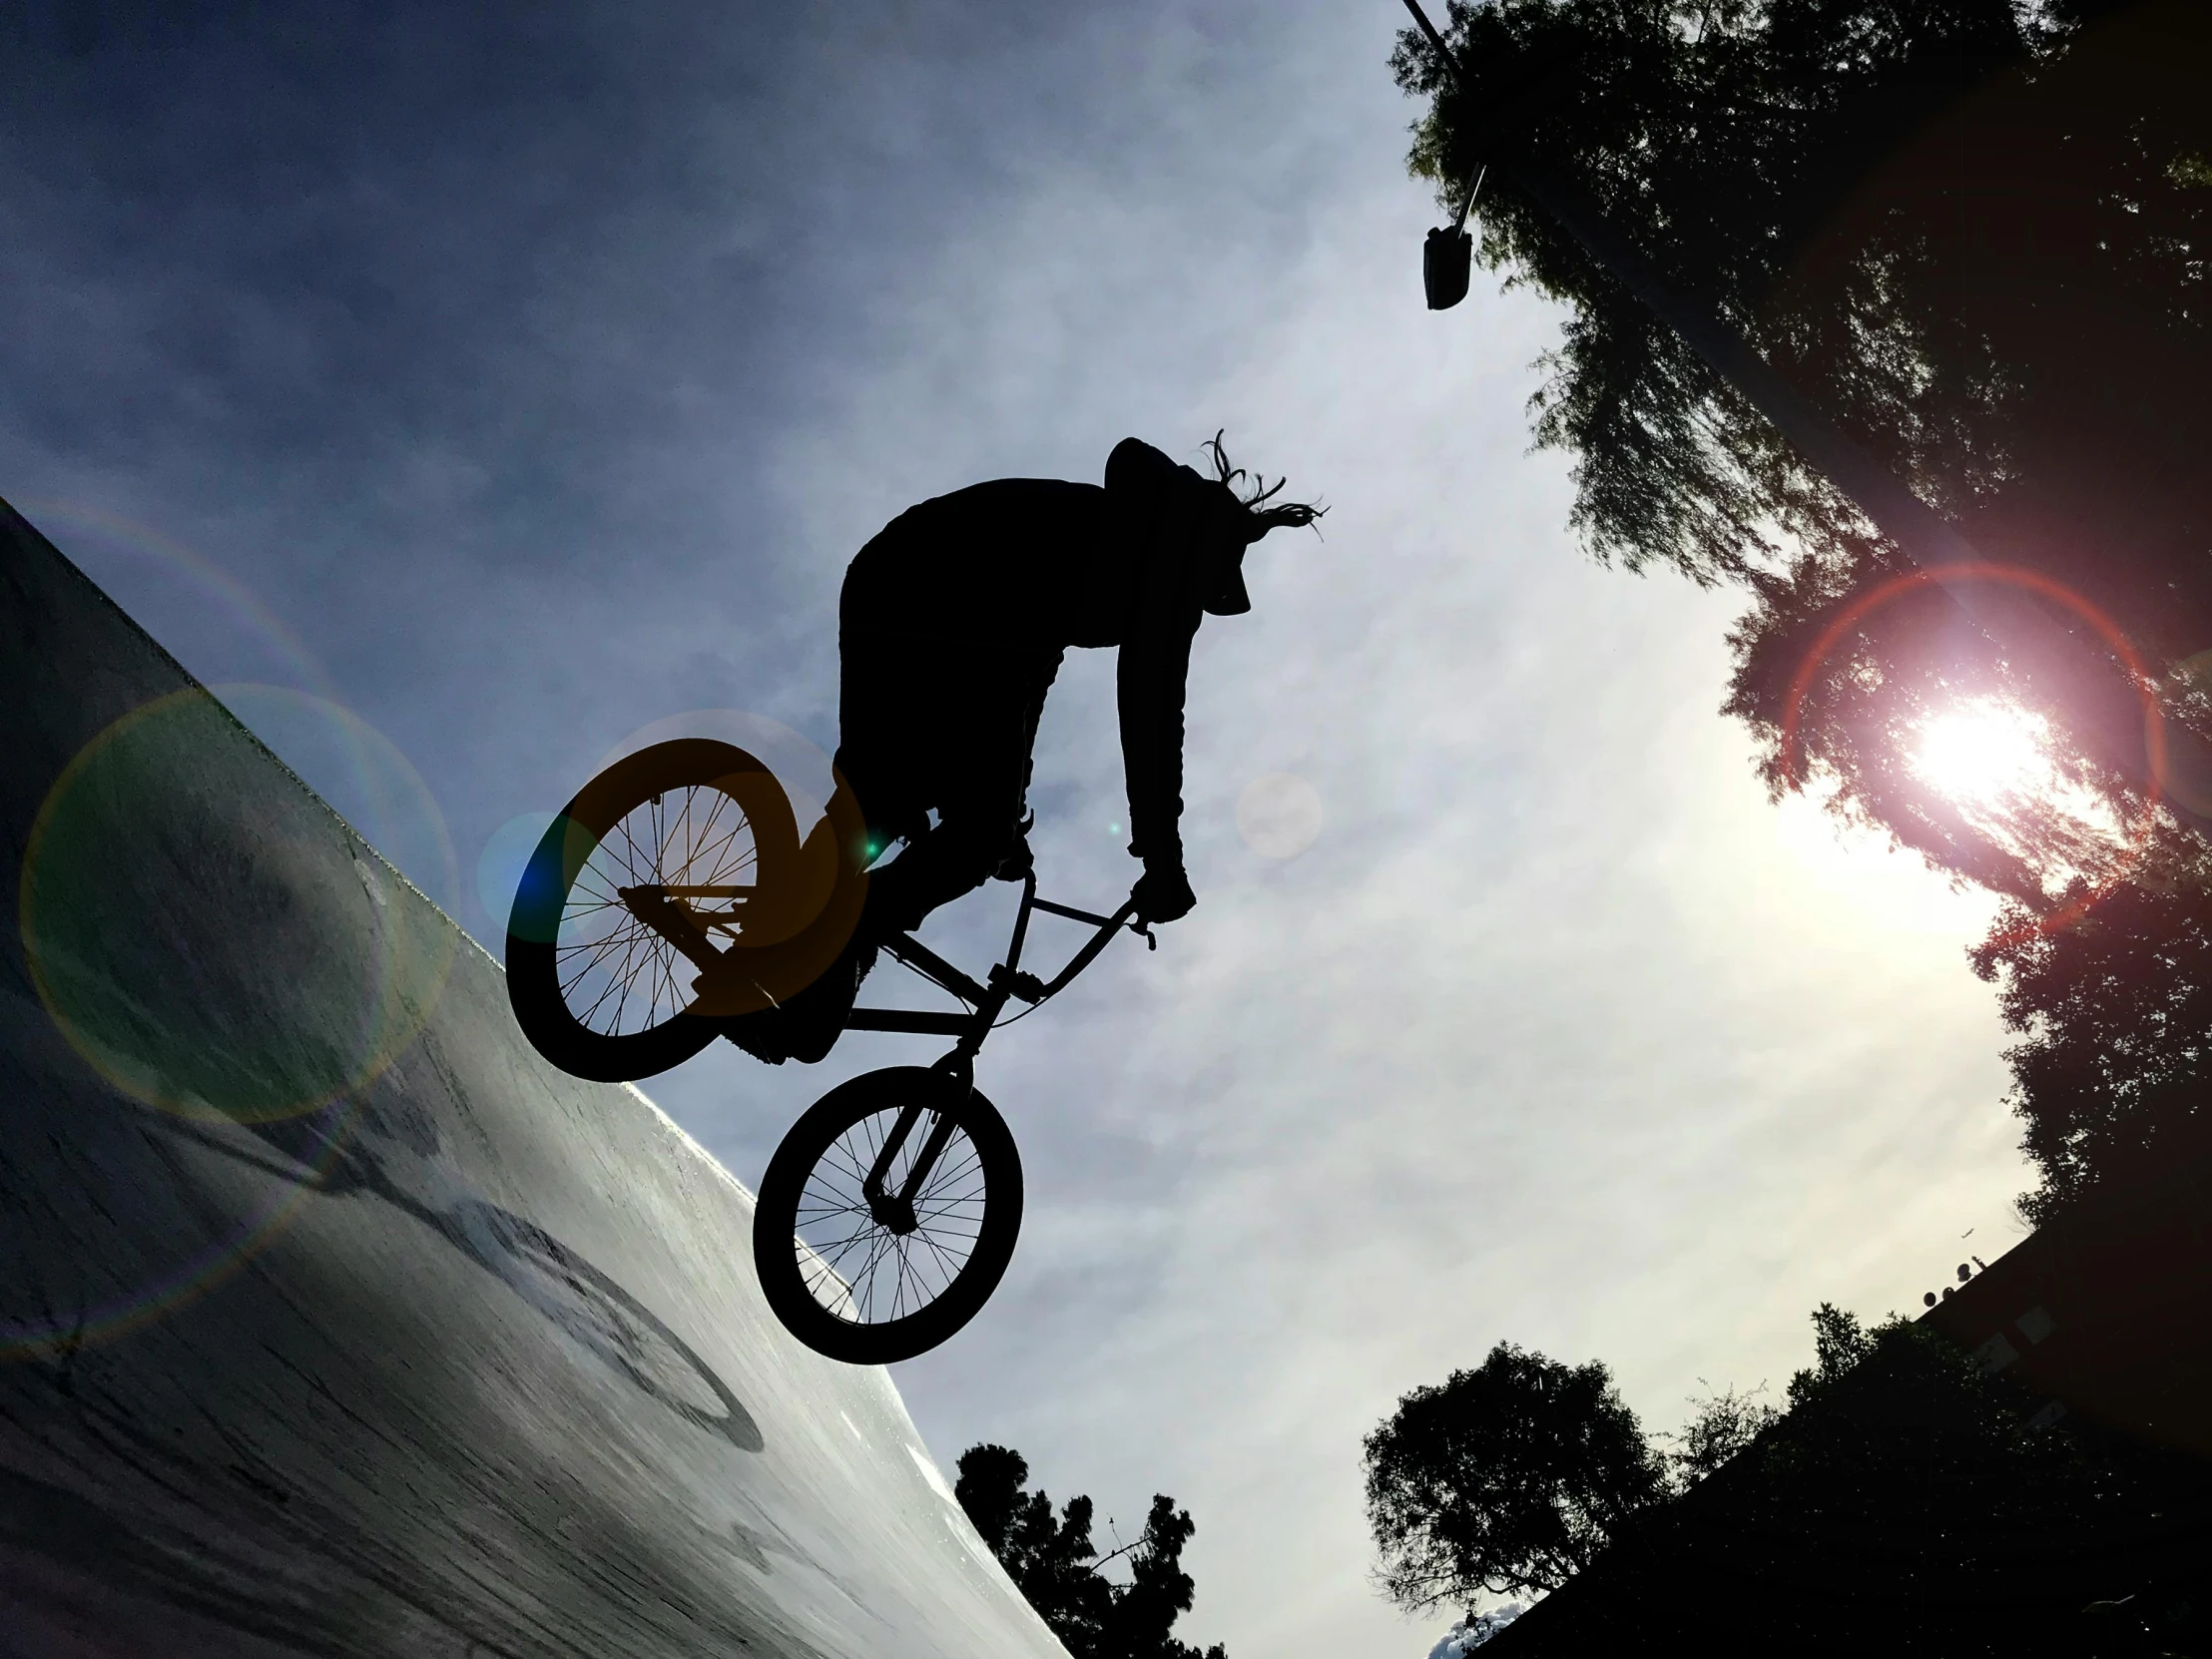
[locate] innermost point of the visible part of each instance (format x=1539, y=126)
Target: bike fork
x=896, y=1211
x=956, y=1071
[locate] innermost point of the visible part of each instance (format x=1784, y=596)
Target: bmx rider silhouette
x=953, y=625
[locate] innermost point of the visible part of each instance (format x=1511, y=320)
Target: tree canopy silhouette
x=1904, y=1499
x=1723, y=1426
x=1511, y=1477
x=1974, y=234
x=1973, y=237
x=1055, y=1566
x=2114, y=1068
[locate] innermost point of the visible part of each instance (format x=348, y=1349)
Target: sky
x=510, y=379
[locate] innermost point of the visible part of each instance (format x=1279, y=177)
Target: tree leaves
x=1973, y=239
x=1906, y=1500
x=1977, y=235
x=1510, y=1476
x=2115, y=1014
x=1055, y=1566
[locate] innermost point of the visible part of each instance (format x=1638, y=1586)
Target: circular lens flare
x=504, y=863
x=195, y=1270
x=1993, y=747
x=122, y=554
x=1278, y=814
x=211, y=941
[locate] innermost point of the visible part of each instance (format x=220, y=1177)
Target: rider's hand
x=1163, y=894
x=1019, y=862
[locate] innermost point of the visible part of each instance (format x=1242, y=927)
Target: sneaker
x=807, y=1026
x=814, y=1018
x=759, y=1036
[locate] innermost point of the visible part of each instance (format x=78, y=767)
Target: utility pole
x=2165, y=762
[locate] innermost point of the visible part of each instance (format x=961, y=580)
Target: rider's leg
x=978, y=790
x=881, y=746
x=875, y=759
x=805, y=1026
x=915, y=735
x=970, y=841
x=954, y=859
x=880, y=758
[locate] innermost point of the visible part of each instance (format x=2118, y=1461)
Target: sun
x=1984, y=752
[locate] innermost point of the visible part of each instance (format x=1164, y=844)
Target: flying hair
x=1255, y=492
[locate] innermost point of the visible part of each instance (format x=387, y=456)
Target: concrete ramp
x=333, y=1320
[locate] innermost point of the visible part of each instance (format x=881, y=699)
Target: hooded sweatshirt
x=1012, y=574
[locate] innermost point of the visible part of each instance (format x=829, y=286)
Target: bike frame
x=1005, y=984
x=668, y=912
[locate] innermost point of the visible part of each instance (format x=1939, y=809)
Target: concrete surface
x=333, y=1320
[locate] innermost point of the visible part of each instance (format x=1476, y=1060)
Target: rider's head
x=1222, y=519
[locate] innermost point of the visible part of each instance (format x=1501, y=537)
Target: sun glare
x=1983, y=753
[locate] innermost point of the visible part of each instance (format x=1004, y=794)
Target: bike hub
x=894, y=1213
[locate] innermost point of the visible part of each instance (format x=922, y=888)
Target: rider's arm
x=1152, y=675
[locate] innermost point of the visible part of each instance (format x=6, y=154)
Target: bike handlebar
x=1126, y=916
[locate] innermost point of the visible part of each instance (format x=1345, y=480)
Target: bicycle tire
x=669, y=1033
x=791, y=1202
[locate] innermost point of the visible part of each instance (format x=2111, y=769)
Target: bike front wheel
x=873, y=1276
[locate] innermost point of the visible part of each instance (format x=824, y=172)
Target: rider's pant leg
x=953, y=859
x=977, y=786
x=882, y=748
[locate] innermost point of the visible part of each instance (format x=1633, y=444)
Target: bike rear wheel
x=598, y=991
x=869, y=1288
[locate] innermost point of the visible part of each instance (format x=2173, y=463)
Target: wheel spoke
x=951, y=1267
x=618, y=976
x=892, y=1275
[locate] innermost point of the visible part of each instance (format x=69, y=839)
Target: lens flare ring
x=125, y=1002
x=2146, y=690
x=203, y=1271
x=328, y=1117
x=193, y=570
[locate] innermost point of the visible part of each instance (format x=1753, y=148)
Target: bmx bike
x=674, y=895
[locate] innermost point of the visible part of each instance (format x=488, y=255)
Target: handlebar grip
x=1127, y=917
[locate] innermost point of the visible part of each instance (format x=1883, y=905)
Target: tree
x=1973, y=233
x=1056, y=1567
x=1904, y=1500
x=1049, y=1561
x=1145, y=1610
x=1896, y=1444
x=1975, y=240
x=1510, y=1476
x=1909, y=1501
x=2115, y=1066
x=1723, y=1428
